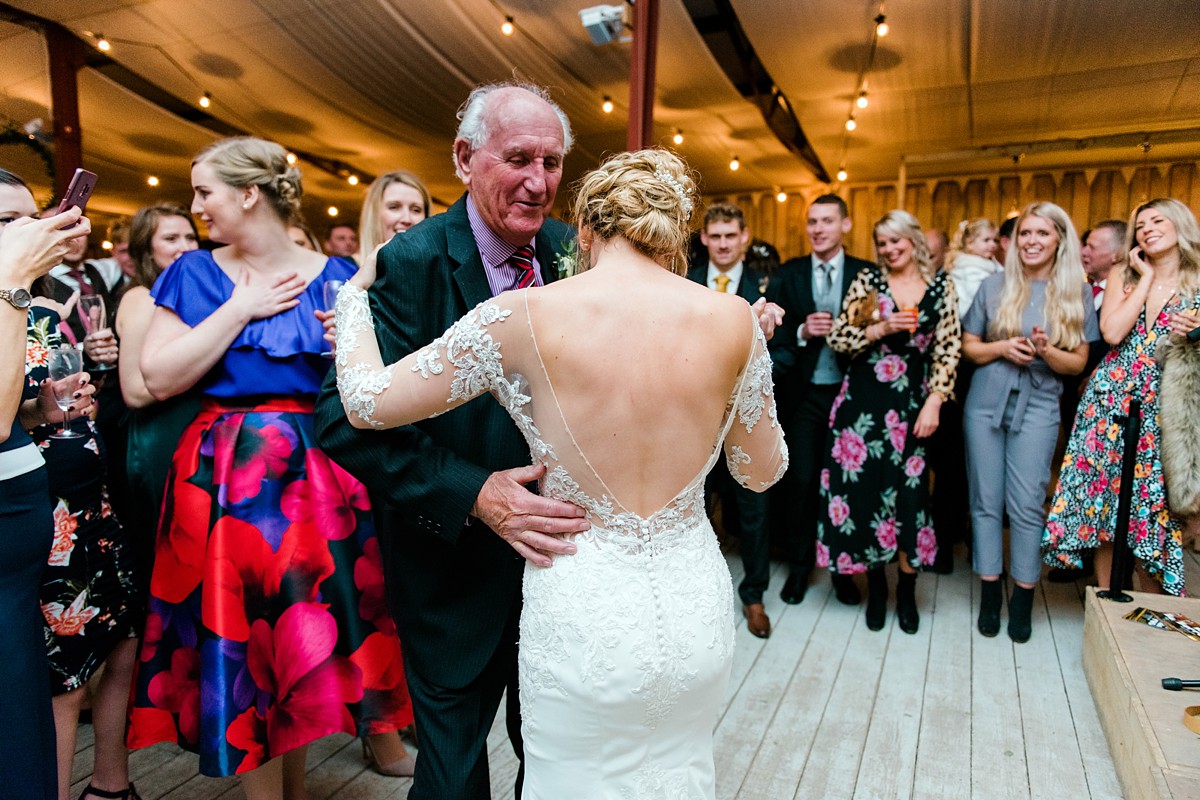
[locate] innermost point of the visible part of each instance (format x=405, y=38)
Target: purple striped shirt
x=495, y=252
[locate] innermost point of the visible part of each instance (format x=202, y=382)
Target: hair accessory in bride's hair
x=673, y=182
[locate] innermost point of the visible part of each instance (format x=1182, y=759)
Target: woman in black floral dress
x=899, y=325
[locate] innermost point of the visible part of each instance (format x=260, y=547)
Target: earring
x=246, y=205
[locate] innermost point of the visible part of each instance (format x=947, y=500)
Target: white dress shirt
x=734, y=274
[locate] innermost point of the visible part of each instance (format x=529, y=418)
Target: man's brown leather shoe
x=757, y=621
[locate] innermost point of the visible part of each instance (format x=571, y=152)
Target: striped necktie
x=523, y=261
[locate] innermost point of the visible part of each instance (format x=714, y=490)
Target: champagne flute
x=91, y=313
x=65, y=363
x=329, y=293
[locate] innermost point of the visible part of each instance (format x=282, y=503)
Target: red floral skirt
x=267, y=625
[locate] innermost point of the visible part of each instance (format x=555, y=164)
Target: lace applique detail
x=359, y=385
x=784, y=458
x=514, y=396
x=472, y=351
x=734, y=460
x=757, y=390
x=654, y=783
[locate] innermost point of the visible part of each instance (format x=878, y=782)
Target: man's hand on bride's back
x=537, y=527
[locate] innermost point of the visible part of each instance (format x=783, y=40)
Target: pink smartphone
x=79, y=191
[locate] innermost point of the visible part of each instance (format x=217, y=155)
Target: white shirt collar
x=734, y=274
x=836, y=263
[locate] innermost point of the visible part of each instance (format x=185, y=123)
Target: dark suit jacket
x=753, y=285
x=451, y=585
x=794, y=364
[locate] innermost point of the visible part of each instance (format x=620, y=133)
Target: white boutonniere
x=566, y=263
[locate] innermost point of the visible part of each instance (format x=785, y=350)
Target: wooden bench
x=1155, y=754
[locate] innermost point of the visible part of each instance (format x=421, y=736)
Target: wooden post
x=642, y=60
x=902, y=183
x=66, y=57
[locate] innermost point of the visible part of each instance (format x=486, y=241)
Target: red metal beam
x=66, y=56
x=642, y=62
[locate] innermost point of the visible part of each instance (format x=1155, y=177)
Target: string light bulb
x=862, y=101
x=152, y=180
x=205, y=100
x=352, y=180
x=291, y=158
x=678, y=138
x=850, y=123
x=781, y=196
x=102, y=43
x=508, y=28
x=332, y=211
x=882, y=29
x=734, y=164
x=607, y=105
x=841, y=174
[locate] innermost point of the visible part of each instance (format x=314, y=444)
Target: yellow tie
x=722, y=283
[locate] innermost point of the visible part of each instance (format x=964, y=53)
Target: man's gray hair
x=472, y=116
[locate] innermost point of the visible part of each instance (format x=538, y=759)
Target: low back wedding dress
x=625, y=396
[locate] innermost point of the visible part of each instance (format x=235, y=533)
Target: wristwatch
x=18, y=298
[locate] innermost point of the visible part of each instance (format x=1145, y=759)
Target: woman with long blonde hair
x=395, y=202
x=1147, y=302
x=1026, y=328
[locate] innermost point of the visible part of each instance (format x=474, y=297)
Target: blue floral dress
x=875, y=487
x=1083, y=513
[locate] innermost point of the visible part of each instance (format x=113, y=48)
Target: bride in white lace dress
x=625, y=381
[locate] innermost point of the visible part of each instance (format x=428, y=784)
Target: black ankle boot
x=991, y=596
x=1020, y=606
x=906, y=602
x=877, y=596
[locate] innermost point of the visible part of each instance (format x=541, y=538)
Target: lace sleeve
x=419, y=386
x=755, y=450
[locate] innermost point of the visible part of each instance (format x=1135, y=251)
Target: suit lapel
x=469, y=273
x=548, y=250
x=750, y=287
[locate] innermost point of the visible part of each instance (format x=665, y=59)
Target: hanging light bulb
x=205, y=100
x=841, y=174
x=508, y=28
x=851, y=124
x=291, y=158
x=781, y=196
x=881, y=27
x=102, y=43
x=352, y=180
x=862, y=101
x=152, y=180
x=607, y=105
x=332, y=211
x=678, y=138
x=734, y=164
x=106, y=245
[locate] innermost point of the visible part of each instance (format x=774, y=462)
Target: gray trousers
x=1009, y=470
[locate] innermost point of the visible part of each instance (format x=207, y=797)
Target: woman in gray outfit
x=1027, y=327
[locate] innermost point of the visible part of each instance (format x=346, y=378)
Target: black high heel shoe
x=129, y=793
x=877, y=597
x=906, y=602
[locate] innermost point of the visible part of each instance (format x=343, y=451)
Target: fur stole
x=1179, y=419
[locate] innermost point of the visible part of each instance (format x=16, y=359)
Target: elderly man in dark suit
x=744, y=512
x=809, y=375
x=450, y=492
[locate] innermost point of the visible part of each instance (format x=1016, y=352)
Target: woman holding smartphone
x=1026, y=328
x=1159, y=287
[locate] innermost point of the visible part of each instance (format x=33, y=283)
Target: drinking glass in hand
x=92, y=314
x=65, y=364
x=329, y=293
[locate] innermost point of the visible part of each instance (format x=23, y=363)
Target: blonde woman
x=1144, y=304
x=972, y=258
x=899, y=326
x=619, y=690
x=395, y=202
x=1026, y=328
x=266, y=628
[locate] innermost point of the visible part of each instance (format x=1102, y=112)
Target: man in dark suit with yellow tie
x=807, y=376
x=744, y=512
x=449, y=492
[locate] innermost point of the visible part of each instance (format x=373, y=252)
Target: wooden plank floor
x=827, y=709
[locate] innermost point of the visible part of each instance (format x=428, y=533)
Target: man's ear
x=462, y=159
x=845, y=225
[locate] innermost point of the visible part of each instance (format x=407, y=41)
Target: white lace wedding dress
x=625, y=646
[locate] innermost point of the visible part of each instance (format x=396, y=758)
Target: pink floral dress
x=1084, y=510
x=874, y=487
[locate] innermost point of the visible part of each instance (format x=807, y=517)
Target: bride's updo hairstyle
x=243, y=161
x=647, y=197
